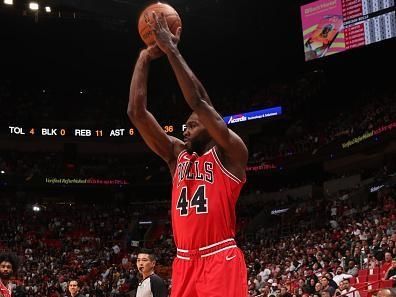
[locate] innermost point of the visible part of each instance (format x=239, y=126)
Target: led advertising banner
x=253, y=115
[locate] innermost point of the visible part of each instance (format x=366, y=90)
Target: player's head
x=145, y=261
x=196, y=136
x=8, y=265
x=73, y=287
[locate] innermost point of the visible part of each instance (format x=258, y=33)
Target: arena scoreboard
x=333, y=26
x=78, y=132
x=173, y=128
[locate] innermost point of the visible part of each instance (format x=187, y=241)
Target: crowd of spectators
x=298, y=133
x=306, y=135
x=307, y=262
x=91, y=243
x=36, y=166
x=96, y=244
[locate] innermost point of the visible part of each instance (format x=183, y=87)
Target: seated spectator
x=340, y=275
x=391, y=273
x=387, y=292
x=339, y=290
x=326, y=287
x=387, y=263
x=325, y=294
x=352, y=268
x=332, y=283
x=284, y=292
x=318, y=289
x=349, y=291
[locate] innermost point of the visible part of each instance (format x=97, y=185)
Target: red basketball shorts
x=215, y=271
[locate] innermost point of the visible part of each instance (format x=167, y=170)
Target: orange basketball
x=171, y=15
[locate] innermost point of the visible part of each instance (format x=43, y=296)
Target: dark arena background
x=80, y=192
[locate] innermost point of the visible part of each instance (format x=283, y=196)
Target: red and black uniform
x=5, y=291
x=204, y=196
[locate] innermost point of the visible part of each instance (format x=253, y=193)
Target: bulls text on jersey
x=191, y=170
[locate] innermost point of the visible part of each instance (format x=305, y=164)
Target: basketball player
x=208, y=170
x=151, y=284
x=8, y=268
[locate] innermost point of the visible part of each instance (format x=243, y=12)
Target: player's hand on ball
x=154, y=52
x=164, y=38
x=150, y=53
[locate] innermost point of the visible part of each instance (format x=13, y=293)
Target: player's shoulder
x=178, y=146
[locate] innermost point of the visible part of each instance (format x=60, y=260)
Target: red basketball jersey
x=204, y=195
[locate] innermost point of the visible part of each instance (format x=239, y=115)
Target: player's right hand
x=154, y=52
x=150, y=53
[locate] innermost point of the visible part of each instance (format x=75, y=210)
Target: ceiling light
x=33, y=6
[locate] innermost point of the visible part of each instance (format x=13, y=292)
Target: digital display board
x=253, y=115
x=77, y=132
x=172, y=129
x=333, y=26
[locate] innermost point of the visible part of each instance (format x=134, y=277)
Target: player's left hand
x=164, y=38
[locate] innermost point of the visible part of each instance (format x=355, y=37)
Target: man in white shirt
x=349, y=291
x=340, y=275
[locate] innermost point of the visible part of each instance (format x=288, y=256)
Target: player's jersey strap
x=225, y=171
x=181, y=155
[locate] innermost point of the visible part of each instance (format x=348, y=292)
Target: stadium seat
x=374, y=285
x=373, y=278
x=363, y=293
x=372, y=293
x=388, y=283
x=361, y=286
x=361, y=279
x=363, y=272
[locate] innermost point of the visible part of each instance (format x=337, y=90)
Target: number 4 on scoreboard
x=32, y=131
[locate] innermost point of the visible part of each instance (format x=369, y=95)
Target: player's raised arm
x=232, y=147
x=165, y=146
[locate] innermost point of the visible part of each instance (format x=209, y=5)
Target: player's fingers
x=163, y=22
x=151, y=25
x=150, y=22
x=178, y=32
x=156, y=20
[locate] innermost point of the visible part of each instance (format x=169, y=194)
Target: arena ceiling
x=227, y=42
x=228, y=34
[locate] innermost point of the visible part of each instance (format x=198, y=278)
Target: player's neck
x=205, y=148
